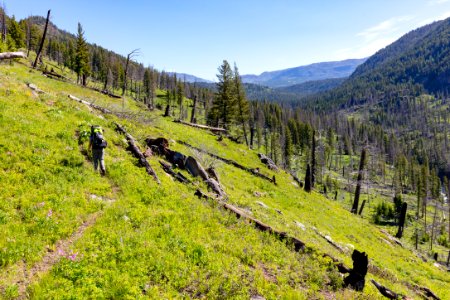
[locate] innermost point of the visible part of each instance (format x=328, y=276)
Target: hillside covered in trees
x=316, y=181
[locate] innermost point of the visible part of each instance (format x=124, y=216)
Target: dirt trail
x=23, y=275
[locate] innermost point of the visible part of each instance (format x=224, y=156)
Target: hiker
x=97, y=143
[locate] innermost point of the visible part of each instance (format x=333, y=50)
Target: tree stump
x=356, y=278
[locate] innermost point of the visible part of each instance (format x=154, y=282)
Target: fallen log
x=268, y=162
x=300, y=183
x=428, y=293
x=11, y=55
x=387, y=292
x=34, y=88
x=54, y=74
x=177, y=175
x=213, y=129
x=330, y=240
x=137, y=152
x=105, y=92
x=231, y=162
x=283, y=236
x=102, y=109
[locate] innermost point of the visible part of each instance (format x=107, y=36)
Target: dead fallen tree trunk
x=54, y=74
x=105, y=92
x=177, y=175
x=300, y=183
x=283, y=236
x=387, y=292
x=102, y=109
x=254, y=172
x=213, y=129
x=137, y=152
x=11, y=55
x=34, y=88
x=330, y=240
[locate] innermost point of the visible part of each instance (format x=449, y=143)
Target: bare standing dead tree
x=130, y=56
x=359, y=180
x=42, y=40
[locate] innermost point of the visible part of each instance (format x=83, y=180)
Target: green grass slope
x=160, y=241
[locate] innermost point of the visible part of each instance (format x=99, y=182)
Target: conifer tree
x=313, y=158
x=180, y=95
x=242, y=104
x=149, y=85
x=222, y=110
x=81, y=63
x=16, y=34
x=288, y=148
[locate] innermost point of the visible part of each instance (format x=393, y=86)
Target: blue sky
x=194, y=36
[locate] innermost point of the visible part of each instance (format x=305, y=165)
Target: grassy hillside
x=66, y=232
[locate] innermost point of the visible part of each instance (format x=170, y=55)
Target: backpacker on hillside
x=98, y=141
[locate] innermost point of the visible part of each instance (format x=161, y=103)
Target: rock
x=194, y=167
x=158, y=142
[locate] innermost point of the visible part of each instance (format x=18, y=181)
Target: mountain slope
x=312, y=87
x=161, y=241
x=417, y=63
x=316, y=71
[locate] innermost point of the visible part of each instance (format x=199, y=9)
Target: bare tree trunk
x=401, y=222
x=42, y=41
x=358, y=183
x=193, y=119
x=130, y=56
x=432, y=227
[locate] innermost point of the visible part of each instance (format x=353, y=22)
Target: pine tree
x=242, y=103
x=81, y=63
x=313, y=159
x=16, y=34
x=149, y=85
x=222, y=111
x=288, y=148
x=180, y=95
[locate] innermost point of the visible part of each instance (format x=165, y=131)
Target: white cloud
x=384, y=28
x=442, y=16
x=375, y=38
x=437, y=2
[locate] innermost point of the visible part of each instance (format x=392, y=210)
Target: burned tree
x=130, y=56
x=356, y=278
x=307, y=187
x=359, y=181
x=42, y=41
x=401, y=220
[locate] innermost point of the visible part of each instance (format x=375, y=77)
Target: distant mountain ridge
x=312, y=72
x=189, y=77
